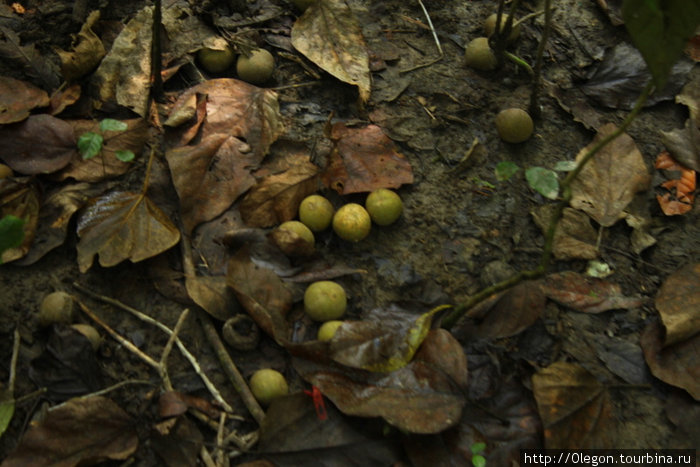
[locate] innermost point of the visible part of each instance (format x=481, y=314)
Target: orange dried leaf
x=679, y=196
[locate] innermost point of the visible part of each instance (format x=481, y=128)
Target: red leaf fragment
x=586, y=294
x=678, y=197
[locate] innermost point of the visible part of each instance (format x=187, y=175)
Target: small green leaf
x=505, y=170
x=7, y=410
x=11, y=233
x=478, y=448
x=90, y=144
x=478, y=460
x=125, y=155
x=110, y=124
x=544, y=181
x=660, y=30
x=565, y=166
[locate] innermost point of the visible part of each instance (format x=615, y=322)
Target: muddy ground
x=461, y=230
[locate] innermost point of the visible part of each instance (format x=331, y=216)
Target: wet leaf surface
x=39, y=144
x=608, y=183
x=678, y=303
x=20, y=198
x=83, y=431
x=329, y=35
x=586, y=294
x=123, y=225
x=364, y=159
x=576, y=409
x=17, y=99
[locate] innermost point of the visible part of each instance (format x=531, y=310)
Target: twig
x=432, y=28
x=105, y=391
x=13, y=362
x=520, y=62
x=168, y=347
x=535, y=95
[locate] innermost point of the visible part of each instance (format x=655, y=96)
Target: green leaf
x=11, y=233
x=478, y=448
x=660, y=30
x=110, y=124
x=7, y=410
x=90, y=144
x=544, y=181
x=125, y=155
x=565, y=166
x=505, y=170
x=478, y=460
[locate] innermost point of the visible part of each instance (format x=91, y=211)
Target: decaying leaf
x=676, y=364
x=18, y=98
x=39, y=144
x=123, y=225
x=575, y=408
x=586, y=294
x=20, y=198
x=678, y=303
x=212, y=294
x=608, y=183
x=28, y=58
x=329, y=35
x=87, y=51
x=679, y=193
x=364, y=159
x=574, y=237
x=177, y=441
x=63, y=97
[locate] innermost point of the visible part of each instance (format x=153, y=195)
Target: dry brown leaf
x=575, y=408
x=678, y=303
x=328, y=34
x=20, y=198
x=18, y=98
x=63, y=97
x=608, y=183
x=677, y=364
x=212, y=294
x=586, y=294
x=39, y=144
x=28, y=59
x=574, y=237
x=210, y=176
x=87, y=51
x=364, y=159
x=123, y=225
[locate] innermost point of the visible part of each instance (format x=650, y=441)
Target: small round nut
x=56, y=307
x=352, y=222
x=5, y=171
x=327, y=330
x=325, y=301
x=268, y=384
x=384, y=206
x=316, y=212
x=490, y=27
x=215, y=60
x=514, y=125
x=257, y=67
x=478, y=55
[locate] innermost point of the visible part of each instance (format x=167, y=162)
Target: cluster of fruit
x=254, y=68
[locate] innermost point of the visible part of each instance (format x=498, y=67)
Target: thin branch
x=13, y=362
x=168, y=347
x=432, y=28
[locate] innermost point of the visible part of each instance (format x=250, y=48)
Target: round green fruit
x=384, y=206
x=478, y=55
x=215, y=61
x=325, y=301
x=267, y=384
x=328, y=329
x=316, y=212
x=352, y=222
x=490, y=27
x=514, y=125
x=299, y=229
x=257, y=67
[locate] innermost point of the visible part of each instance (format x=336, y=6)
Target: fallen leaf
x=678, y=193
x=684, y=413
x=676, y=364
x=123, y=225
x=20, y=198
x=329, y=35
x=586, y=294
x=7, y=409
x=34, y=63
x=212, y=295
x=63, y=97
x=178, y=442
x=39, y=144
x=684, y=143
x=622, y=357
x=608, y=183
x=678, y=303
x=18, y=98
x=575, y=408
x=80, y=432
x=173, y=404
x=87, y=51
x=574, y=237
x=364, y=159
x=210, y=176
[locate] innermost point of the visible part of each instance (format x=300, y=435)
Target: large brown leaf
x=39, y=144
x=123, y=225
x=608, y=183
x=210, y=176
x=364, y=159
x=574, y=237
x=586, y=294
x=18, y=98
x=328, y=34
x=81, y=432
x=87, y=51
x=678, y=303
x=20, y=198
x=575, y=408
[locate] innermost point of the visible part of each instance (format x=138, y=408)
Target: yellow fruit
x=352, y=222
x=384, y=206
x=302, y=4
x=316, y=212
x=328, y=329
x=514, y=125
x=299, y=229
x=267, y=384
x=5, y=171
x=325, y=301
x=478, y=54
x=490, y=27
x=256, y=68
x=56, y=307
x=215, y=61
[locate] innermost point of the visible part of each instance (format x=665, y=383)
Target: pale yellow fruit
x=268, y=384
x=299, y=229
x=5, y=171
x=352, y=222
x=384, y=206
x=215, y=61
x=90, y=333
x=514, y=125
x=328, y=329
x=325, y=301
x=55, y=308
x=256, y=68
x=490, y=27
x=478, y=54
x=316, y=212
